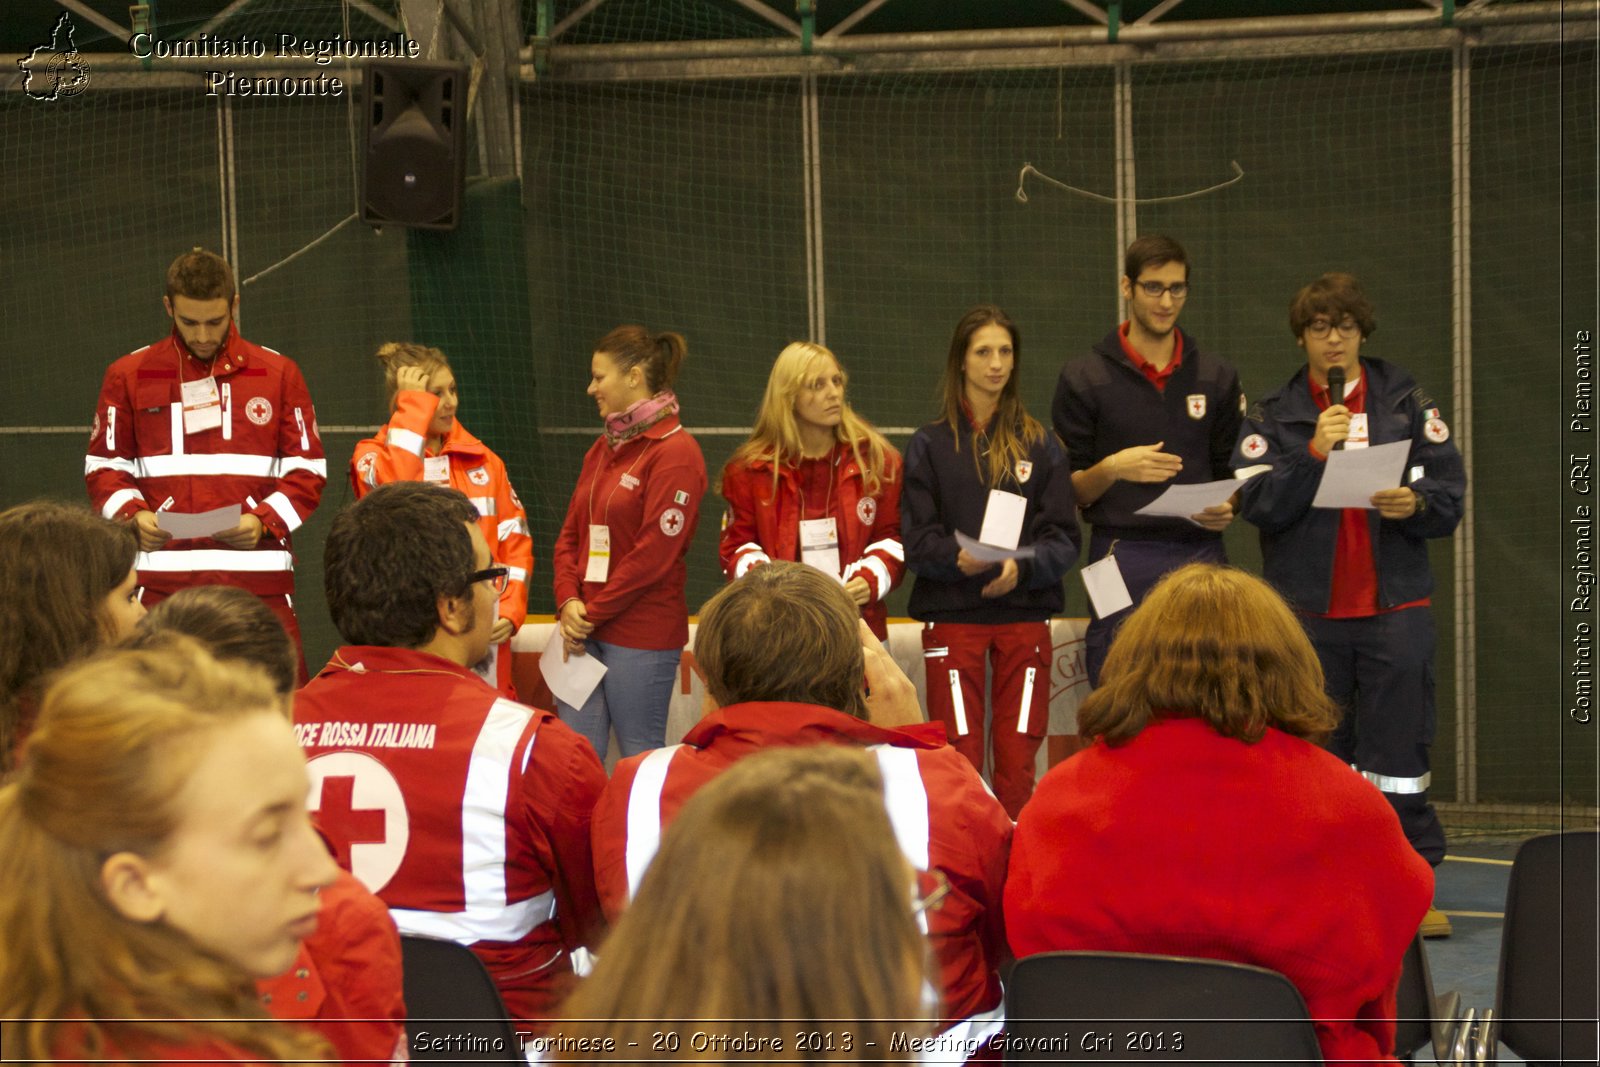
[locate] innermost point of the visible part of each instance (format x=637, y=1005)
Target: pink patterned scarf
x=625, y=426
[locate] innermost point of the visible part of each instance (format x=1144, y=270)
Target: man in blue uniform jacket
x=1359, y=577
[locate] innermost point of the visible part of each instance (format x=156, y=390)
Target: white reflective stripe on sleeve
x=115, y=501
x=409, y=440
x=280, y=503
x=957, y=704
x=905, y=797
x=889, y=547
x=217, y=463
x=504, y=922
x=486, y=505
x=644, y=813
x=305, y=441
x=1390, y=784
x=227, y=411
x=290, y=464
x=516, y=574
x=950, y=1047
x=1027, y=700
x=934, y=653
x=176, y=413
x=111, y=429
x=109, y=463
x=746, y=556
x=483, y=829
x=880, y=574
x=511, y=527
x=1250, y=472
x=215, y=559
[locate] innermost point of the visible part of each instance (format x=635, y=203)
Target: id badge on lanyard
x=202, y=405
x=599, y=554
x=1359, y=437
x=436, y=470
x=1002, y=519
x=819, y=544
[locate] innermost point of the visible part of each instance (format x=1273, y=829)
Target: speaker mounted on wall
x=413, y=144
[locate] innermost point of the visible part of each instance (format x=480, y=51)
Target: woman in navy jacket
x=977, y=613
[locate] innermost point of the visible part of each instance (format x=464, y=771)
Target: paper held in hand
x=574, y=680
x=1351, y=476
x=199, y=523
x=1184, y=501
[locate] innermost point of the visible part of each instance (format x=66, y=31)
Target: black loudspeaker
x=414, y=144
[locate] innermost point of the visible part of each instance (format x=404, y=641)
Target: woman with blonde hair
x=1253, y=843
x=816, y=483
x=987, y=471
x=425, y=442
x=160, y=858
x=67, y=586
x=778, y=921
x=619, y=559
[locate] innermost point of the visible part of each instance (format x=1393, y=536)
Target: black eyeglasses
x=1153, y=290
x=499, y=577
x=1319, y=328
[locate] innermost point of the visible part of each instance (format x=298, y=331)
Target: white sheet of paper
x=574, y=680
x=1351, y=476
x=1002, y=519
x=200, y=523
x=989, y=553
x=1182, y=501
x=1107, y=591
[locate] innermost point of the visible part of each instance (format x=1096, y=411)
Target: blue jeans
x=632, y=699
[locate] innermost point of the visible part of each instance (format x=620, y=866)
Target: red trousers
x=1018, y=657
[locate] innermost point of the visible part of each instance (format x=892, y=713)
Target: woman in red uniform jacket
x=1204, y=777
x=425, y=442
x=619, y=559
x=159, y=812
x=817, y=484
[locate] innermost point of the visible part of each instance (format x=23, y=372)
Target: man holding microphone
x=1359, y=577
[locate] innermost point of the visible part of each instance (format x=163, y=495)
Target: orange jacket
x=396, y=455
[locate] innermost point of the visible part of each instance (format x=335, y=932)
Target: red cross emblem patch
x=259, y=410
x=1197, y=405
x=361, y=808
x=1254, y=446
x=867, y=510
x=672, y=522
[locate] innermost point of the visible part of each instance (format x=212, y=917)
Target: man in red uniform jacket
x=465, y=812
x=201, y=420
x=781, y=649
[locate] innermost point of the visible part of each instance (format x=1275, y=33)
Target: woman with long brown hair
x=67, y=586
x=159, y=858
x=988, y=470
x=1252, y=843
x=619, y=559
x=816, y=483
x=778, y=921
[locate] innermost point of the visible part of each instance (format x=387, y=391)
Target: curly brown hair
x=1217, y=643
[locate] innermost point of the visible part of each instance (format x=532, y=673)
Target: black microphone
x=1336, y=392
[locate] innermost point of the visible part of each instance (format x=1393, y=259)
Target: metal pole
x=1466, y=621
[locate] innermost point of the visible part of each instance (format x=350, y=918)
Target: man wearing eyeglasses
x=1359, y=577
x=1146, y=409
x=466, y=813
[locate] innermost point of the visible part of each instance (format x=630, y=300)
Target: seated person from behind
x=1205, y=820
x=346, y=981
x=779, y=907
x=467, y=813
x=785, y=653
